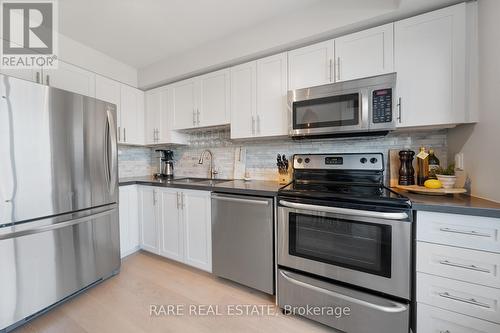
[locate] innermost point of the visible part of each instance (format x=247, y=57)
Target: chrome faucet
x=212, y=171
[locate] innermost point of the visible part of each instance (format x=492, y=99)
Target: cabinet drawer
x=473, y=232
x=435, y=320
x=461, y=264
x=462, y=297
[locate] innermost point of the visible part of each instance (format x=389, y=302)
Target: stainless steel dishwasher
x=242, y=240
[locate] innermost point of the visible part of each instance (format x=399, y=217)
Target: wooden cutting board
x=431, y=191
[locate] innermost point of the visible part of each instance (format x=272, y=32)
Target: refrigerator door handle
x=58, y=225
x=112, y=160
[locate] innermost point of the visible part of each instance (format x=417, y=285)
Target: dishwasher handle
x=241, y=200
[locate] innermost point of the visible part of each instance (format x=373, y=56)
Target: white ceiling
x=141, y=32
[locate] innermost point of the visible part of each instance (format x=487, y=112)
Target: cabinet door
x=166, y=119
x=109, y=90
x=129, y=220
x=153, y=109
x=124, y=220
x=214, y=99
x=430, y=56
x=196, y=212
x=170, y=224
x=243, y=100
x=132, y=115
x=147, y=215
x=272, y=118
x=310, y=66
x=71, y=78
x=186, y=115
x=365, y=53
x=34, y=75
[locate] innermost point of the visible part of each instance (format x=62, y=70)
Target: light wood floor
x=122, y=304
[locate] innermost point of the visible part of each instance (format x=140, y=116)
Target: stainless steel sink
x=199, y=181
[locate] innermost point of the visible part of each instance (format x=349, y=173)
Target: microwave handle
x=346, y=211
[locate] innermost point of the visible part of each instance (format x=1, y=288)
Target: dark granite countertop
x=252, y=187
x=453, y=204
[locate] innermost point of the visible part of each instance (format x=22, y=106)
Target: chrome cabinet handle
x=258, y=124
x=253, y=125
x=119, y=134
x=330, y=70
x=399, y=110
x=47, y=80
x=338, y=68
x=37, y=77
x=464, y=300
x=198, y=116
x=470, y=267
x=465, y=232
x=345, y=211
x=194, y=117
x=124, y=135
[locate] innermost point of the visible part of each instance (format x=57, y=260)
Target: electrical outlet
x=459, y=161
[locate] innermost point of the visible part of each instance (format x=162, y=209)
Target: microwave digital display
x=334, y=160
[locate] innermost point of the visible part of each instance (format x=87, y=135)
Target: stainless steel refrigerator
x=59, y=230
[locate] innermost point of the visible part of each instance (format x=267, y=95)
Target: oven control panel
x=382, y=106
x=357, y=161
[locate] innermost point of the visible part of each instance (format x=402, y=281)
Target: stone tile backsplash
x=258, y=157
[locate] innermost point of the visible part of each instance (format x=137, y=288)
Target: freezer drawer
x=242, y=240
x=45, y=261
x=344, y=309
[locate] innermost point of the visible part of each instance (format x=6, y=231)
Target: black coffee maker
x=166, y=164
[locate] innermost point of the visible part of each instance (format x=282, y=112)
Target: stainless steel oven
x=365, y=248
x=362, y=105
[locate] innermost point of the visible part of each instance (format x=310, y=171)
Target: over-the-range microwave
x=357, y=107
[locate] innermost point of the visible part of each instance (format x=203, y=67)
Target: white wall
x=319, y=22
x=90, y=59
x=480, y=143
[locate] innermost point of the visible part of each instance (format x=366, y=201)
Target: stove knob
x=363, y=160
x=373, y=160
x=307, y=160
x=299, y=160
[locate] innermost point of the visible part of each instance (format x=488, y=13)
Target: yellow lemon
x=433, y=183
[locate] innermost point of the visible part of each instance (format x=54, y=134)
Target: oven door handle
x=346, y=211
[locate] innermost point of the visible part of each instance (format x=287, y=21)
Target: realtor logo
x=28, y=34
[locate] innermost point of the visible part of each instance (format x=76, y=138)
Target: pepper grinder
x=406, y=171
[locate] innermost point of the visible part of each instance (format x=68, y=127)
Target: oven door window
x=351, y=244
x=334, y=111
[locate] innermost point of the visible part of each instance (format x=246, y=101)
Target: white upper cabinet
x=132, y=115
x=243, y=100
x=159, y=117
x=71, y=78
x=258, y=98
x=202, y=101
x=186, y=113
x=34, y=75
x=365, y=53
x=431, y=62
x=272, y=115
x=214, y=100
x=310, y=66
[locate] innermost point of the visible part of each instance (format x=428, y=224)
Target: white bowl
x=447, y=181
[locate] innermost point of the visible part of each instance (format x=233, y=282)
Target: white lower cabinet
x=176, y=224
x=129, y=220
x=435, y=320
x=457, y=280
